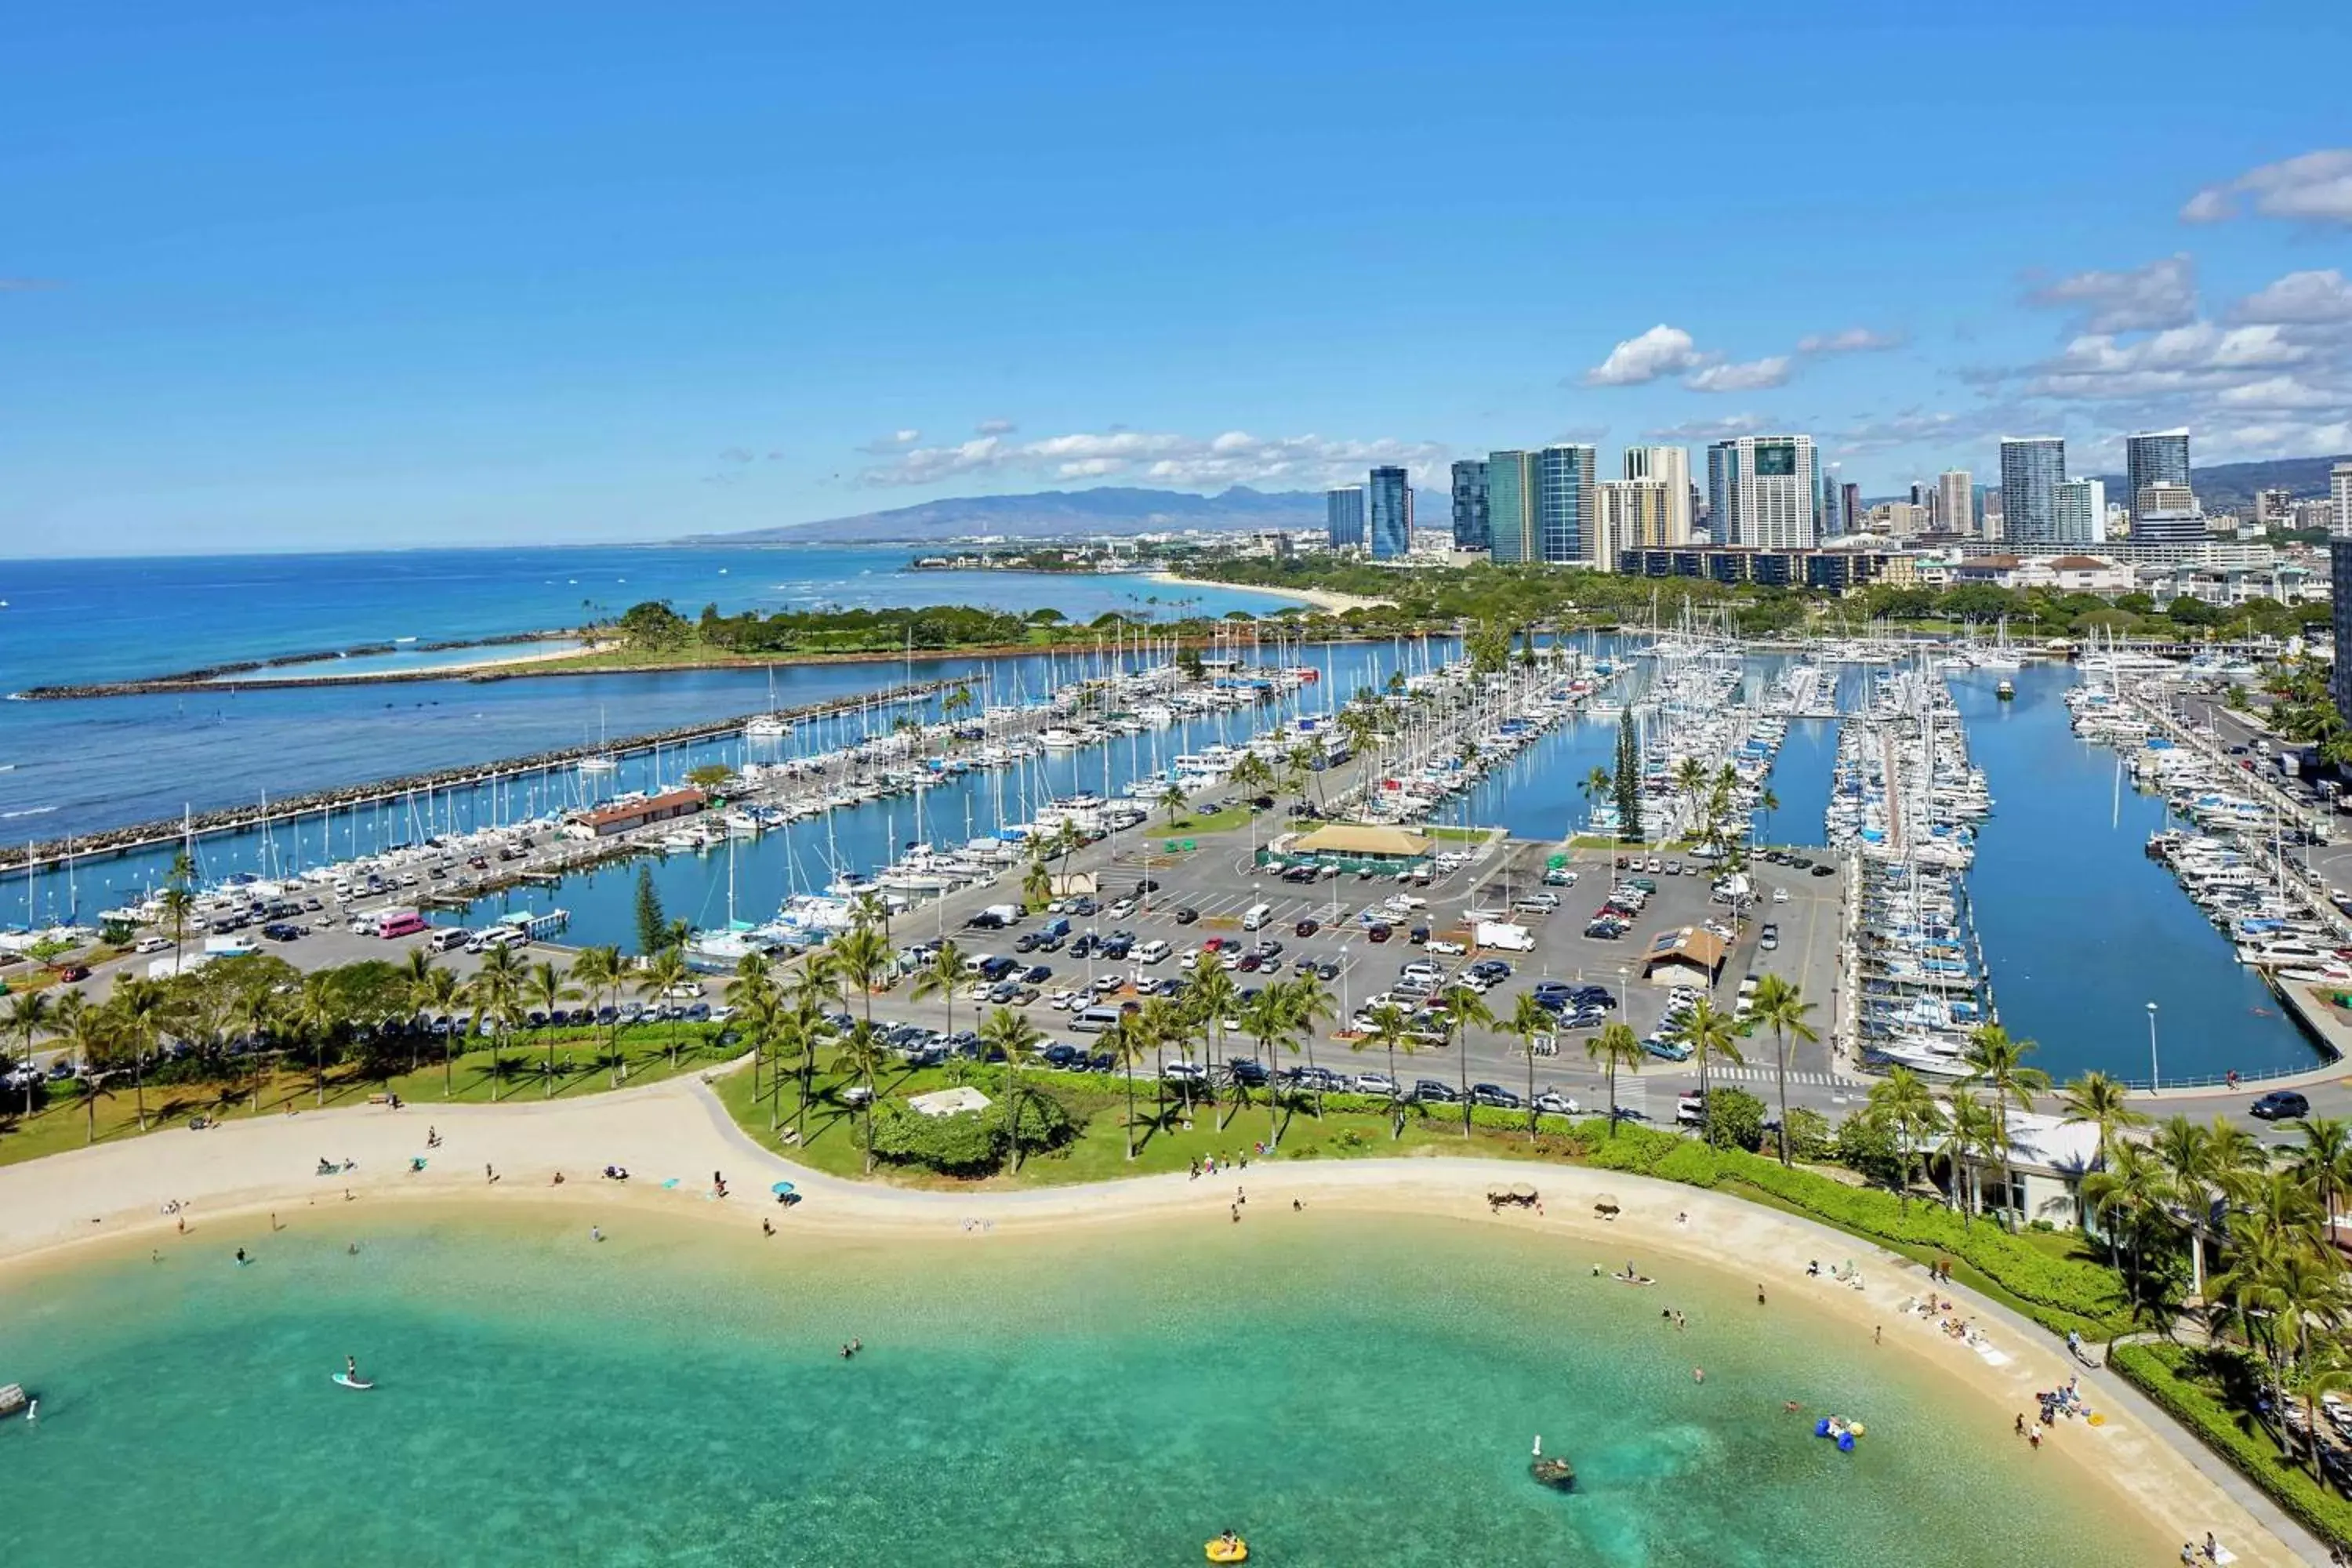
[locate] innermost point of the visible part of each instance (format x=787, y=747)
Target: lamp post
x=2155, y=1081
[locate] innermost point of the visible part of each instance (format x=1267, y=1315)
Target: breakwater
x=222, y=677
x=46, y=855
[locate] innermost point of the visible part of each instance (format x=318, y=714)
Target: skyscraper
x=1955, y=501
x=1638, y=514
x=1849, y=508
x=2167, y=513
x=2081, y=511
x=2339, y=491
x=1343, y=516
x=1390, y=514
x=1470, y=531
x=2031, y=469
x=2155, y=458
x=1510, y=507
x=1567, y=509
x=1671, y=466
x=1765, y=491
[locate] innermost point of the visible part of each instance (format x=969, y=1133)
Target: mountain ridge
x=1105, y=509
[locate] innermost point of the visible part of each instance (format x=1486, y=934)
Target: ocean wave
x=28, y=811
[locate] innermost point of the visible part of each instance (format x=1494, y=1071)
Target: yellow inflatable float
x=1227, y=1547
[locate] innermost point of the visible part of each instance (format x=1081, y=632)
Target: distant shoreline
x=1321, y=598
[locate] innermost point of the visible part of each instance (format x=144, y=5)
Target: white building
x=2081, y=511
x=2339, y=493
x=1955, y=501
x=1765, y=491
x=1669, y=465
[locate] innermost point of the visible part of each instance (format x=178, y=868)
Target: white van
x=447, y=937
x=1153, y=952
x=1095, y=1020
x=1255, y=916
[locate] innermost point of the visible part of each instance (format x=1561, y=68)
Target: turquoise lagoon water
x=1343, y=1391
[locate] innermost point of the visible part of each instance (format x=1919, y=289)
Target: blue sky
x=284, y=275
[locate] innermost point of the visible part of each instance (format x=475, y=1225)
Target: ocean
x=1342, y=1390
x=76, y=767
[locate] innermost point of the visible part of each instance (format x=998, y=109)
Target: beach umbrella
x=781, y=1189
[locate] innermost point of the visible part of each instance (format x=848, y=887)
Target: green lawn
x=581, y=1060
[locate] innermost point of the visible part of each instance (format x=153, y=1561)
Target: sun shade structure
x=1351, y=845
x=1684, y=955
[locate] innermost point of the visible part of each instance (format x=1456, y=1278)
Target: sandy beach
x=52, y=1208
x=464, y=666
x=1321, y=598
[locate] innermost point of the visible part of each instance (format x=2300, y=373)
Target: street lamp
x=2153, y=1082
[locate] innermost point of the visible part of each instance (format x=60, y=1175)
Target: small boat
x=358, y=1385
x=1557, y=1474
x=2005, y=690
x=1227, y=1549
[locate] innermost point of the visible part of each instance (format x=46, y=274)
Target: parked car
x=1429, y=1091
x=1307, y=927
x=1495, y=1095
x=1186, y=915
x=1551, y=1102
x=1375, y=1083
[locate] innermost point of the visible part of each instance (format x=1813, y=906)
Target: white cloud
x=2278, y=392
x=1660, y=351
x=1853, y=340
x=1724, y=429
x=2147, y=299
x=905, y=438
x=1230, y=457
x=2200, y=356
x=2316, y=187
x=1753, y=376
x=2307, y=297
x=994, y=427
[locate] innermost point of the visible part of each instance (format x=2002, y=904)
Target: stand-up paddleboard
x=346, y=1379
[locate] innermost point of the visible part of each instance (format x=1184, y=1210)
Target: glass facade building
x=1567, y=507
x=2339, y=575
x=2155, y=458
x=1343, y=516
x=1510, y=507
x=1388, y=514
x=2031, y=469
x=1470, y=529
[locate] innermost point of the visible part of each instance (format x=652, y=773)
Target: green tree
x=2322, y=1162
x=1781, y=1006
x=947, y=973
x=2096, y=1100
x=653, y=925
x=658, y=976
x=599, y=971
x=1392, y=1031
x=1464, y=1009
x=1709, y=1033
x=1614, y=1047
x=29, y=1015
x=1735, y=1118
x=1007, y=1034
x=1628, y=774
x=1901, y=1106
x=545, y=989
x=1531, y=1020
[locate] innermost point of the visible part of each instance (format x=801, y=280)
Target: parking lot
x=1347, y=929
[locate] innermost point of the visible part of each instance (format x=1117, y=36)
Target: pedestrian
x=2021, y=1423
x=2033, y=1437
x=1235, y=1210
x=488, y=1172
x=1699, y=1375
x=1759, y=1292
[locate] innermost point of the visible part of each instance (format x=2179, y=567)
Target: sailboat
x=603, y=762
x=771, y=725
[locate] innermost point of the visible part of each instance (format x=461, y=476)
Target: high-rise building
x=2339, y=578
x=1920, y=495
x=1956, y=502
x=1388, y=514
x=1638, y=514
x=2155, y=458
x=1510, y=507
x=1849, y=509
x=1765, y=491
x=2167, y=513
x=1470, y=504
x=2031, y=469
x=2081, y=511
x=1567, y=505
x=2339, y=492
x=1343, y=516
x=2274, y=508
x=1669, y=466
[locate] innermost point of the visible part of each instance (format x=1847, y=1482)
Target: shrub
x=2167, y=1373
x=1735, y=1118
x=1865, y=1145
x=971, y=1142
x=1809, y=1136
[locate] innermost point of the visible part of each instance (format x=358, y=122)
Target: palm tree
x=544, y=989
x=1037, y=884
x=803, y=1029
x=316, y=1012
x=1159, y=1024
x=1906, y=1110
x=28, y=1015
x=2131, y=1197
x=2185, y=1151
x=861, y=956
x=91, y=1035
x=1781, y=1006
x=1311, y=1006
x=141, y=1007
x=496, y=993
x=1392, y=1031
x=1211, y=997
x=1464, y=1007
x=1599, y=784
x=1616, y=1045
x=661, y=973
x=1266, y=1019
x=1998, y=1063
x=1530, y=1021
x=2322, y=1163
x=598, y=972
x=862, y=1054
x=947, y=973
x=1709, y=1034
x=2096, y=1100
x=1129, y=1041
x=1007, y=1031
x=1172, y=800
x=1972, y=1133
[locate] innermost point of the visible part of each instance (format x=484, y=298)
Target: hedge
x=2160, y=1371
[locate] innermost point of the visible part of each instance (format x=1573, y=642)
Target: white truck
x=1503, y=935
